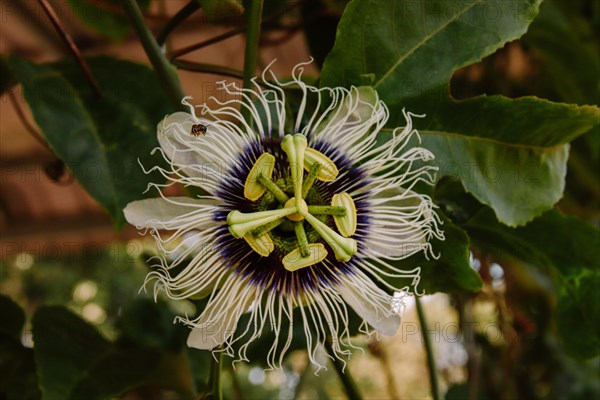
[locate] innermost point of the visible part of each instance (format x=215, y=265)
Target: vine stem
x=177, y=19
x=433, y=378
x=214, y=380
x=345, y=377
x=253, y=21
x=165, y=71
x=236, y=31
x=64, y=35
x=207, y=68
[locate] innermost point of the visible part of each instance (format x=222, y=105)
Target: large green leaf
x=451, y=272
x=106, y=17
x=17, y=367
x=566, y=247
x=13, y=318
x=517, y=182
x=409, y=50
x=569, y=60
x=93, y=368
x=102, y=140
x=123, y=370
x=63, y=339
x=412, y=48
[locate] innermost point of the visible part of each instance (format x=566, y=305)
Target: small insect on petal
x=262, y=244
x=198, y=130
x=294, y=261
x=264, y=166
x=328, y=171
x=346, y=224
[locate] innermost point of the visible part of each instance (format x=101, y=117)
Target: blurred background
x=58, y=247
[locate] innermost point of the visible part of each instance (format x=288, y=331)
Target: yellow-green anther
x=268, y=227
x=294, y=146
x=294, y=261
x=262, y=244
x=310, y=179
x=328, y=171
x=273, y=188
x=343, y=248
x=327, y=210
x=302, y=239
x=346, y=224
x=242, y=223
x=264, y=166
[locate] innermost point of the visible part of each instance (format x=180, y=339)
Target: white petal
x=349, y=125
x=220, y=317
x=174, y=133
x=399, y=225
x=371, y=304
x=168, y=213
x=207, y=157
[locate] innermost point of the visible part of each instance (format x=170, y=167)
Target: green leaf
x=578, y=314
x=100, y=139
x=526, y=121
x=7, y=79
x=17, y=380
x=219, y=10
x=150, y=324
x=451, y=272
x=106, y=18
x=566, y=247
x=518, y=182
x=122, y=370
x=563, y=41
x=13, y=317
x=63, y=339
x=413, y=48
x=93, y=368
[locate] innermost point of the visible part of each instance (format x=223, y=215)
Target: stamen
x=302, y=239
x=327, y=210
x=347, y=223
x=328, y=171
x=273, y=188
x=242, y=223
x=344, y=248
x=294, y=146
x=264, y=166
x=262, y=244
x=310, y=179
x=268, y=227
x=294, y=261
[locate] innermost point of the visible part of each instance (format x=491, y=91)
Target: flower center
x=296, y=210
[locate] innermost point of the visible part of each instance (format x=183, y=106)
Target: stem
x=207, y=68
x=435, y=391
x=177, y=19
x=163, y=69
x=253, y=21
x=345, y=377
x=214, y=380
x=71, y=46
